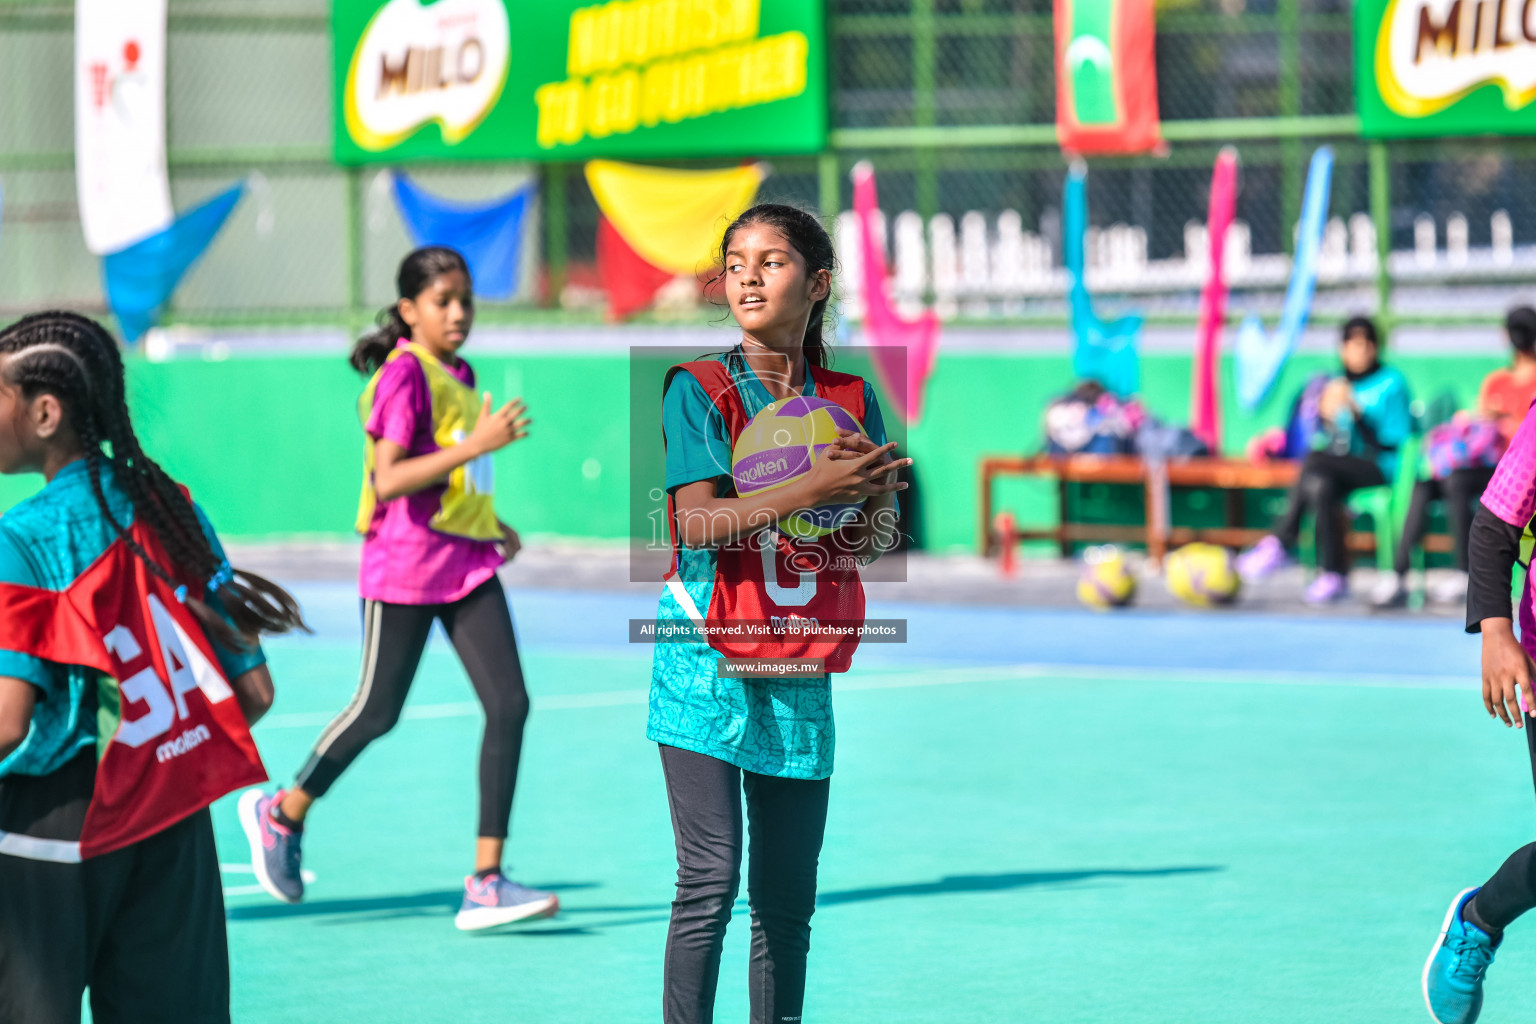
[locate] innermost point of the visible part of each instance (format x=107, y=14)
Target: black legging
x=1325, y=482
x=1512, y=889
x=1459, y=491
x=786, y=819
x=394, y=635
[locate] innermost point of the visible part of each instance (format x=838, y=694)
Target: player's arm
x=704, y=520
x=1507, y=670
x=17, y=698
x=254, y=693
x=395, y=473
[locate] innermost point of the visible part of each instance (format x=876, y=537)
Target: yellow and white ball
x=1106, y=580
x=1202, y=575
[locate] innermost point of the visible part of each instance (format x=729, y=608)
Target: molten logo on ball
x=779, y=446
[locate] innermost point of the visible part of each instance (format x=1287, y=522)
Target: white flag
x=120, y=171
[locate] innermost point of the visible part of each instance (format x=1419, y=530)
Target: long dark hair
x=1521, y=325
x=418, y=270
x=74, y=359
x=803, y=231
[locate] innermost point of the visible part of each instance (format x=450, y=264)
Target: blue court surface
x=1037, y=815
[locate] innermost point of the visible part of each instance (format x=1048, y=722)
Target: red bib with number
x=771, y=591
x=172, y=738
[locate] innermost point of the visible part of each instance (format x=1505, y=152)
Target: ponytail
x=370, y=351
x=417, y=271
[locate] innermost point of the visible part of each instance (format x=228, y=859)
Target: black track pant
x=1459, y=491
x=141, y=927
x=785, y=822
x=1512, y=889
x=1325, y=482
x=480, y=628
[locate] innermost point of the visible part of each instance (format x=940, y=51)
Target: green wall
x=271, y=446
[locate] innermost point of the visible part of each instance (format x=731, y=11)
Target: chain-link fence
x=953, y=102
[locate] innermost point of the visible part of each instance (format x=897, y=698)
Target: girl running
x=431, y=548
x=1501, y=536
x=770, y=738
x=129, y=676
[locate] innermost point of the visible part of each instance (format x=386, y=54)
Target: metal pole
x=924, y=104
x=829, y=186
x=1290, y=106
x=555, y=230
x=357, y=311
x=1381, y=216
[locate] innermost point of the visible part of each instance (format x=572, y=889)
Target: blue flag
x=1105, y=352
x=141, y=278
x=488, y=235
x=1260, y=355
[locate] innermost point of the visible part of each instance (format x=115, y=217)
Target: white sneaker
x=1389, y=592
x=1450, y=590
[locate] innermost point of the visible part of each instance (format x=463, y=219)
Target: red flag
x=630, y=281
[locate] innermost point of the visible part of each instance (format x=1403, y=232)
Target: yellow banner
x=673, y=219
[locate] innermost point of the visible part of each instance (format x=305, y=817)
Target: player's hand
x=510, y=544
x=845, y=475
x=1507, y=672
x=495, y=430
x=851, y=444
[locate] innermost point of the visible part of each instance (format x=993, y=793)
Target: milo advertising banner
x=563, y=80
x=1445, y=67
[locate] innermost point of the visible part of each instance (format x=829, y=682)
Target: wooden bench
x=1233, y=476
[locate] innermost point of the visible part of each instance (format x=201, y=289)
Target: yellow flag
x=673, y=219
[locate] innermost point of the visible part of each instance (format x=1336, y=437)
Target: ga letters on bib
x=172, y=739
x=766, y=582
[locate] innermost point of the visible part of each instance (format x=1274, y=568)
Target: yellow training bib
x=465, y=508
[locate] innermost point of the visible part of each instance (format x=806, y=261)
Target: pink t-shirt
x=1511, y=495
x=405, y=561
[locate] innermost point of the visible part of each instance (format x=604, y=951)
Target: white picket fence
x=983, y=268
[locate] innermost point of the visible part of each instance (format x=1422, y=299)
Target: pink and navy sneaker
x=496, y=899
x=275, y=853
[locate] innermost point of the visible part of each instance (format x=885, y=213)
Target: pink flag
x=903, y=351
x=1204, y=401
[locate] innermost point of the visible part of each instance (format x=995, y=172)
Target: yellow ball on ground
x=1106, y=580
x=1202, y=575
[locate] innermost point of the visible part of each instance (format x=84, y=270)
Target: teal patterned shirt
x=777, y=726
x=47, y=541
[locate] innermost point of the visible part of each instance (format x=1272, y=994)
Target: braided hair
x=74, y=359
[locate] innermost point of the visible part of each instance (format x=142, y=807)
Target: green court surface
x=1036, y=816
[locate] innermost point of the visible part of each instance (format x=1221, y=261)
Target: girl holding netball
x=769, y=737
x=431, y=548
x=129, y=676
x=1501, y=535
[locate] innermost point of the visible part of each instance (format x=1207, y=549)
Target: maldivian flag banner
x=1445, y=67
x=565, y=80
x=1106, y=76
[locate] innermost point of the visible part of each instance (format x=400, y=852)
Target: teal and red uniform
x=770, y=726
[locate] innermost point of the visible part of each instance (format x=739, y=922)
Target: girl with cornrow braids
x=130, y=673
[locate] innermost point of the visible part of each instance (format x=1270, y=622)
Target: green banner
x=1445, y=67
x=563, y=80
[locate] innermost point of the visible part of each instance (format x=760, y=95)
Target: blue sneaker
x=496, y=899
x=275, y=853
x=1453, y=975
